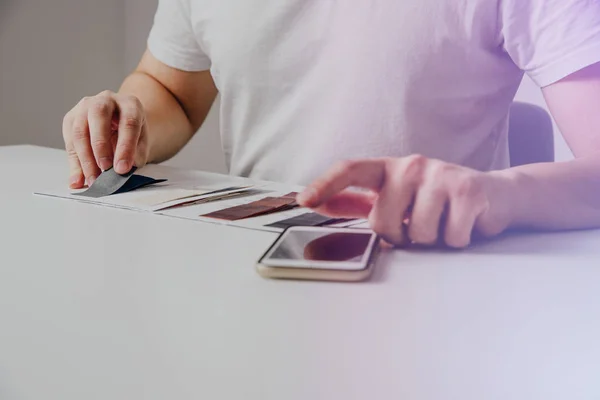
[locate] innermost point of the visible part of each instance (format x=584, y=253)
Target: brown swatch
x=265, y=206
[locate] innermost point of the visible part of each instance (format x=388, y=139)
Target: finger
x=141, y=151
x=389, y=211
x=81, y=143
x=459, y=224
x=403, y=178
x=76, y=179
x=428, y=208
x=348, y=205
x=113, y=141
x=368, y=174
x=100, y=115
x=130, y=127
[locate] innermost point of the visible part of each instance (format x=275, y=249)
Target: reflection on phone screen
x=318, y=246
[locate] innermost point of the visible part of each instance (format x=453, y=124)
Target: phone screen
x=322, y=248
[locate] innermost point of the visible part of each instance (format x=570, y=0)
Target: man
x=308, y=83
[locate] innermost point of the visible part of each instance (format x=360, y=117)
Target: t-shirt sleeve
x=172, y=39
x=551, y=39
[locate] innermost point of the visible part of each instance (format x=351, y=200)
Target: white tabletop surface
x=101, y=303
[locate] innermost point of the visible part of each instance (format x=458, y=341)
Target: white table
x=99, y=303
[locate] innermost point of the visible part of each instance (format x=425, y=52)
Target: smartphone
x=321, y=253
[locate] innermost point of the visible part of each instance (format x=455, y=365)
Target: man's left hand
x=415, y=199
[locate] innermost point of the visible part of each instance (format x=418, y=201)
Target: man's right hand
x=104, y=131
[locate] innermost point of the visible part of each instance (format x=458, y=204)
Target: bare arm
x=175, y=102
x=423, y=200
x=156, y=112
x=566, y=195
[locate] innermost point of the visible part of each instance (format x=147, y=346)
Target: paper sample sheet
x=193, y=194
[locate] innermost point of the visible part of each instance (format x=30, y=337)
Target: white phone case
x=315, y=274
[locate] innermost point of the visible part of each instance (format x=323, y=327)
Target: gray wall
x=204, y=150
x=52, y=53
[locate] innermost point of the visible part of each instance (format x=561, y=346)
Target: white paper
x=187, y=186
x=196, y=212
x=181, y=187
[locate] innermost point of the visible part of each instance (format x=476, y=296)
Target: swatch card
x=169, y=197
x=307, y=219
x=141, y=193
x=110, y=183
x=267, y=205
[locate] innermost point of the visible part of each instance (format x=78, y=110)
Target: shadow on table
x=382, y=268
x=578, y=243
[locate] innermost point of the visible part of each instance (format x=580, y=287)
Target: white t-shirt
x=305, y=83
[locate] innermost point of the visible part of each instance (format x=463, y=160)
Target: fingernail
x=307, y=196
x=105, y=163
x=74, y=180
x=123, y=167
x=90, y=180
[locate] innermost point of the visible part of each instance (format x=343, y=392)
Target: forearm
x=556, y=196
x=169, y=128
